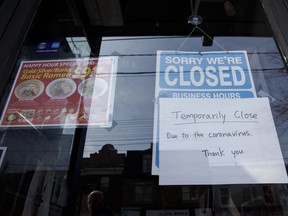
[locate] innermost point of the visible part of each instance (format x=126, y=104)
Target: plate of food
x=61, y=88
x=93, y=87
x=11, y=117
x=29, y=89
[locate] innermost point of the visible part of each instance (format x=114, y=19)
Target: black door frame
x=16, y=19
x=277, y=14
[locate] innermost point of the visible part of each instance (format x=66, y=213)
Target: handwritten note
x=216, y=141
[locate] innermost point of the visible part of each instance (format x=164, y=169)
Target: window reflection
x=40, y=170
x=79, y=46
x=225, y=195
x=118, y=159
x=133, y=132
x=143, y=193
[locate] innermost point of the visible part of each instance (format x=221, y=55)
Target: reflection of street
x=129, y=188
x=128, y=184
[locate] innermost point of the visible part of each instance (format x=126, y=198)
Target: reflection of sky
x=135, y=84
x=79, y=46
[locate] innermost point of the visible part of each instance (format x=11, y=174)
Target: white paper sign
x=217, y=141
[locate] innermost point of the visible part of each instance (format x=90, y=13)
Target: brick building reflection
x=128, y=185
x=131, y=190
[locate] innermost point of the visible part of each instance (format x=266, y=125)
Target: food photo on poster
x=62, y=92
x=61, y=88
x=29, y=89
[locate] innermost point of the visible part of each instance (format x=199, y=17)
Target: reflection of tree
x=280, y=109
x=274, y=57
x=276, y=76
x=275, y=72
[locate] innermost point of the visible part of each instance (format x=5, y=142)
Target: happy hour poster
x=62, y=92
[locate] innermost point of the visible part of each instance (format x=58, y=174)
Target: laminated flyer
x=62, y=92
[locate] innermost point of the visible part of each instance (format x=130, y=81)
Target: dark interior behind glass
x=51, y=170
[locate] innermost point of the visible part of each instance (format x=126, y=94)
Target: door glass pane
x=101, y=135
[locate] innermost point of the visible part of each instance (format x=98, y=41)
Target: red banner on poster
x=62, y=92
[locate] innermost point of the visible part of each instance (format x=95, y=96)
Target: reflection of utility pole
x=94, y=39
x=77, y=8
x=233, y=208
x=211, y=198
x=73, y=174
x=194, y=7
x=37, y=200
x=34, y=197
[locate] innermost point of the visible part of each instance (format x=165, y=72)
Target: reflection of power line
x=139, y=119
x=129, y=125
x=262, y=70
x=33, y=165
x=118, y=140
x=153, y=38
x=134, y=127
x=154, y=55
x=79, y=51
x=107, y=39
x=120, y=144
x=130, y=122
x=94, y=145
x=122, y=130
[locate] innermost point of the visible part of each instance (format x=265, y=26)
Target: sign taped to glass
x=62, y=92
x=210, y=75
x=204, y=141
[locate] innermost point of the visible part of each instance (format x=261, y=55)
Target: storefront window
x=85, y=100
x=225, y=195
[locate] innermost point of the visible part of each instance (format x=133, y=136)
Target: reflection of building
x=103, y=172
x=41, y=167
x=130, y=189
x=43, y=178
x=244, y=199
